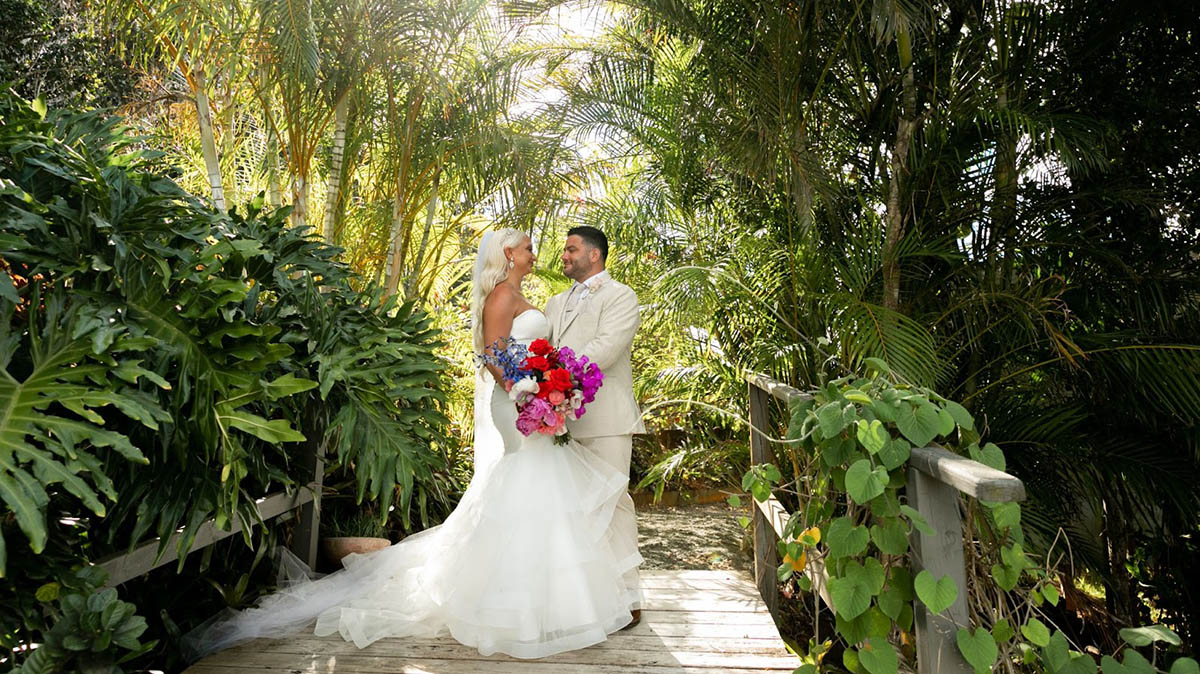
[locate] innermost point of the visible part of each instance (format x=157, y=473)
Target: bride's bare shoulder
x=503, y=299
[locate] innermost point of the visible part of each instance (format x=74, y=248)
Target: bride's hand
x=508, y=385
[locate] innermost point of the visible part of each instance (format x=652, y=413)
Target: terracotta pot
x=337, y=547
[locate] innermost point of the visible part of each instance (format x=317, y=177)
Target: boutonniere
x=594, y=284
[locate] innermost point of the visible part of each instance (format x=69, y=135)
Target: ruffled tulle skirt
x=523, y=566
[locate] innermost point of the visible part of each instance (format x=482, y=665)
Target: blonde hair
x=491, y=268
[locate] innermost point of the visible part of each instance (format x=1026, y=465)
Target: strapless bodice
x=529, y=325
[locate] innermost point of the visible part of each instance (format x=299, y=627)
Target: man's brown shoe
x=637, y=618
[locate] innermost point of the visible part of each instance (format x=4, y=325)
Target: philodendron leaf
x=863, y=482
x=979, y=649
x=276, y=431
x=877, y=656
x=918, y=423
x=936, y=594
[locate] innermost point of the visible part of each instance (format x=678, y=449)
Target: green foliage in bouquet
x=854, y=437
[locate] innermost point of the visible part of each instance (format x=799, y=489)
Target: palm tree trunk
x=207, y=143
x=300, y=199
x=274, y=187
x=899, y=165
x=227, y=116
x=333, y=195
x=394, y=247
x=429, y=213
x=1004, y=200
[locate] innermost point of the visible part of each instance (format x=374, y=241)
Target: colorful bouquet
x=546, y=383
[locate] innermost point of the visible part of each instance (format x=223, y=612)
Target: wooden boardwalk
x=695, y=622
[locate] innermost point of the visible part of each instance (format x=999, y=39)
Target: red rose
x=537, y=363
x=544, y=389
x=540, y=347
x=559, y=380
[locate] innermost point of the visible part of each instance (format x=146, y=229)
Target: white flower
x=576, y=400
x=594, y=284
x=522, y=386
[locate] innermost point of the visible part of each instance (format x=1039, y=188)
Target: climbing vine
x=850, y=445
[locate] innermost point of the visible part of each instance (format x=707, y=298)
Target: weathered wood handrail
x=936, y=477
x=144, y=556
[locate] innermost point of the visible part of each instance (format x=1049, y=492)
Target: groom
x=597, y=318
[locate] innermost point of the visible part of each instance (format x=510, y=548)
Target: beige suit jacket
x=602, y=327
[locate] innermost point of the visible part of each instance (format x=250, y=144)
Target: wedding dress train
x=523, y=565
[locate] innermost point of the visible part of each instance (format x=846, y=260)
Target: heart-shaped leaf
x=918, y=423
x=961, y=416
x=877, y=656
x=895, y=453
x=872, y=435
x=845, y=539
x=1144, y=636
x=979, y=649
x=946, y=423
x=937, y=595
x=830, y=418
x=1036, y=632
x=1185, y=666
x=891, y=537
x=864, y=483
x=917, y=519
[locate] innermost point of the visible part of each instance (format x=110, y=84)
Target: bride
x=522, y=566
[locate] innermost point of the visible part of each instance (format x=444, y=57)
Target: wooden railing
x=307, y=500
x=936, y=477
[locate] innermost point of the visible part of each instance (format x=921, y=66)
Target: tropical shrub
x=162, y=361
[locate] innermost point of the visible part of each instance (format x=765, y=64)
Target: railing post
x=941, y=555
x=766, y=558
x=308, y=519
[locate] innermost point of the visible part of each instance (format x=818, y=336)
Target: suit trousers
x=617, y=450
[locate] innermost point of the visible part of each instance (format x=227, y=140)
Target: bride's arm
x=497, y=322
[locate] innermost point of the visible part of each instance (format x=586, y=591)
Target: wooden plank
x=656, y=616
x=441, y=666
x=700, y=584
x=695, y=574
x=970, y=477
x=617, y=641
x=766, y=559
x=777, y=389
x=942, y=555
x=761, y=630
x=387, y=653
x=736, y=592
x=144, y=556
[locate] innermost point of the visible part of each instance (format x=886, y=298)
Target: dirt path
x=693, y=537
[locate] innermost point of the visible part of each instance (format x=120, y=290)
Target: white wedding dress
x=523, y=565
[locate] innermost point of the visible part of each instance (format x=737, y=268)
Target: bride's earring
x=510, y=263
